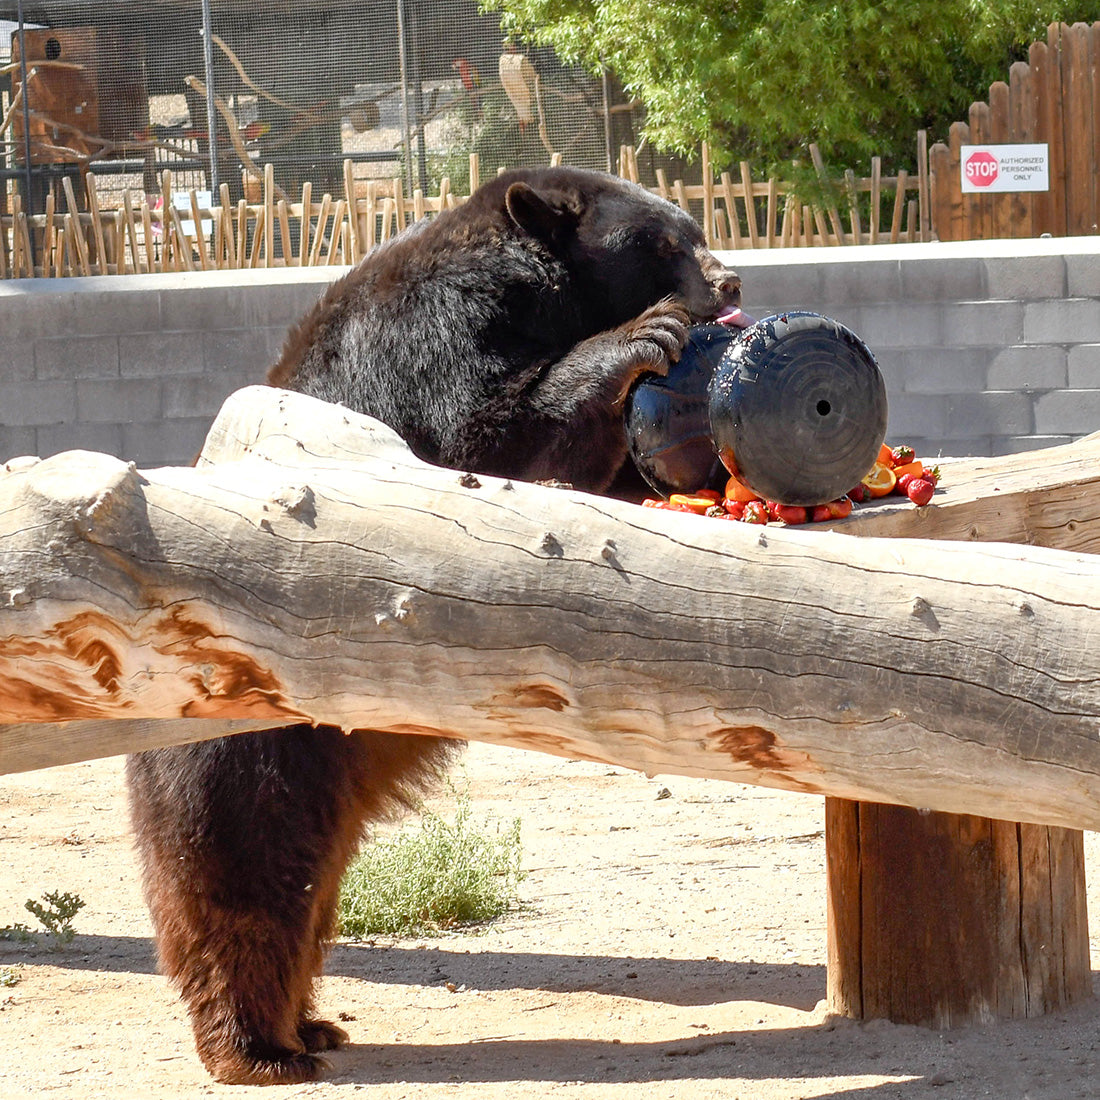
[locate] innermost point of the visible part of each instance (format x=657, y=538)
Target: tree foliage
x=761, y=79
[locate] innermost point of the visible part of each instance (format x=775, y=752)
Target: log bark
x=311, y=569
x=943, y=920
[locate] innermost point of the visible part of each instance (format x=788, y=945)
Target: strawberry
x=710, y=494
x=734, y=508
x=903, y=455
x=715, y=511
x=820, y=513
x=859, y=494
x=790, y=514
x=840, y=508
x=903, y=483
x=932, y=474
x=755, y=512
x=920, y=490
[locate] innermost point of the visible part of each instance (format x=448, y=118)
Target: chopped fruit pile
x=897, y=470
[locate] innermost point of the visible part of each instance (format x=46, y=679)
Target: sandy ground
x=671, y=945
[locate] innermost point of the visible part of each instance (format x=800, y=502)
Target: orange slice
x=739, y=491
x=916, y=468
x=880, y=480
x=692, y=502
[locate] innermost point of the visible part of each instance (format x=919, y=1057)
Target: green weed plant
x=427, y=880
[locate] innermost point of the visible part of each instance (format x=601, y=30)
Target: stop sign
x=981, y=168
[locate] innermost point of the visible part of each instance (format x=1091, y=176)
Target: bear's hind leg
x=244, y=841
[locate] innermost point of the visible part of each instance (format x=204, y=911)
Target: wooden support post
x=943, y=920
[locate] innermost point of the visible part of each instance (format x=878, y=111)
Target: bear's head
x=624, y=247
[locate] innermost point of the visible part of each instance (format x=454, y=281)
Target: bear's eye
x=667, y=246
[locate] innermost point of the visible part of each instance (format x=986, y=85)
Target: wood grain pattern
x=311, y=568
x=950, y=919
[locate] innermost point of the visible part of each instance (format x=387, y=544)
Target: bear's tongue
x=736, y=317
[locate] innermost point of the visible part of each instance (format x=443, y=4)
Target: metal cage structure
x=404, y=89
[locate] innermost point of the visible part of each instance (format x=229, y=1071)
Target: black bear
x=501, y=338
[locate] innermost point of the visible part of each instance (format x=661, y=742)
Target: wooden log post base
x=944, y=920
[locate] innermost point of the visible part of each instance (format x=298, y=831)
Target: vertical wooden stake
x=944, y=920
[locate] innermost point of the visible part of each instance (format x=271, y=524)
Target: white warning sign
x=994, y=168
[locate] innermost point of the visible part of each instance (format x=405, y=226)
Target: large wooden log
x=311, y=569
x=945, y=919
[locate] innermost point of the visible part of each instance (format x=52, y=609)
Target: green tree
x=761, y=79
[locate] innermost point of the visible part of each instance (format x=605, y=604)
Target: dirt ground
x=671, y=945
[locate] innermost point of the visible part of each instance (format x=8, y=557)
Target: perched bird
x=520, y=82
x=471, y=82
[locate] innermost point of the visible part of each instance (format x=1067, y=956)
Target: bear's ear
x=543, y=216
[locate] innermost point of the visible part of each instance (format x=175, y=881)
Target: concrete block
x=25, y=314
x=112, y=310
x=105, y=438
x=957, y=280
x=118, y=401
x=934, y=449
x=868, y=281
x=1084, y=367
x=797, y=286
x=1072, y=321
x=278, y=304
x=27, y=403
x=201, y=309
x=1025, y=278
x=202, y=395
x=1018, y=444
x=164, y=442
x=944, y=370
x=931, y=450
x=76, y=356
x=1067, y=412
x=241, y=350
x=983, y=324
x=1028, y=367
x=992, y=413
x=16, y=359
x=153, y=354
x=914, y=416
x=893, y=366
x=905, y=325
x=1082, y=276
x=16, y=441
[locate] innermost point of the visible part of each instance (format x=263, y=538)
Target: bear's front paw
x=656, y=337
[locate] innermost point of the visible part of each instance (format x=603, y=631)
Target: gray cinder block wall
x=137, y=366
x=986, y=347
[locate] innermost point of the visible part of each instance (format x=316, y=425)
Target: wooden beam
x=28, y=746
x=1039, y=498
x=311, y=569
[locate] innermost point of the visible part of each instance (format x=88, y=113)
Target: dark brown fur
x=500, y=338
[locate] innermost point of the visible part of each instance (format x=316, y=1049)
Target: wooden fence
x=268, y=229
x=1053, y=97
